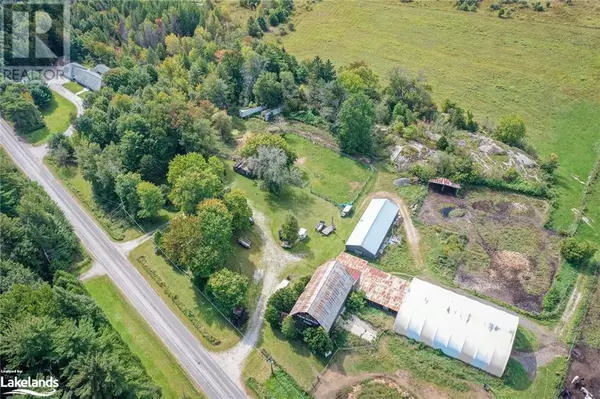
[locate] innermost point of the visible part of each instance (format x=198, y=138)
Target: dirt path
x=412, y=234
x=571, y=307
x=274, y=259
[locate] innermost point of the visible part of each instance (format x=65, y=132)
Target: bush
x=356, y=301
x=577, y=252
x=318, y=340
x=511, y=175
x=288, y=328
x=442, y=144
x=511, y=130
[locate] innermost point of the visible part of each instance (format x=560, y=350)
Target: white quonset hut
x=462, y=328
x=372, y=228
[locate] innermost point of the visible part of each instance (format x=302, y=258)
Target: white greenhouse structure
x=465, y=329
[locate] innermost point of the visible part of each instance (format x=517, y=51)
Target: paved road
x=200, y=365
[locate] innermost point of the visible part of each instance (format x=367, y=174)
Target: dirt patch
x=355, y=185
x=509, y=255
x=401, y=391
x=585, y=365
x=301, y=161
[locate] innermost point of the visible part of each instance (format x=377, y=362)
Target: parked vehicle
x=245, y=242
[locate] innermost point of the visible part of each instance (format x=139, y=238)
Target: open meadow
x=540, y=68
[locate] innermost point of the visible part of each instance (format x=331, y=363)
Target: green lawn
x=73, y=87
x=143, y=342
x=198, y=314
x=57, y=115
x=489, y=65
x=308, y=209
x=116, y=224
x=525, y=341
x=329, y=174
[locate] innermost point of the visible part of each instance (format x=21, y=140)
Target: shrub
x=576, y=251
x=511, y=129
x=318, y=340
x=442, y=144
x=356, y=301
x=511, y=175
x=288, y=328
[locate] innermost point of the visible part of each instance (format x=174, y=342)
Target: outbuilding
x=323, y=298
x=444, y=186
x=85, y=77
x=463, y=328
x=372, y=228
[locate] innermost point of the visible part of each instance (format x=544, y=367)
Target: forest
x=50, y=325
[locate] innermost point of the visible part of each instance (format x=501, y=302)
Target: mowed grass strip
x=486, y=64
x=330, y=174
x=73, y=87
x=181, y=284
x=142, y=341
x=57, y=115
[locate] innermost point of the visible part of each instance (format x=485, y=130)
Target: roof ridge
x=330, y=264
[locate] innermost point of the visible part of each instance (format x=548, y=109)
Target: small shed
x=463, y=328
x=323, y=299
x=444, y=186
x=246, y=112
x=372, y=228
x=242, y=168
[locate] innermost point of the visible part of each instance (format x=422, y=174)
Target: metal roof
x=374, y=225
x=445, y=182
x=463, y=328
x=325, y=293
x=101, y=69
x=83, y=76
x=379, y=287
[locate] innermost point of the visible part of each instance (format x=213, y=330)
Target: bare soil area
x=335, y=384
x=509, y=255
x=586, y=365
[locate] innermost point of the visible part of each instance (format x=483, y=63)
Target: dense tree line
x=49, y=324
x=20, y=104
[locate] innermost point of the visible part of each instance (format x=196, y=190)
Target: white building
x=372, y=228
x=465, y=329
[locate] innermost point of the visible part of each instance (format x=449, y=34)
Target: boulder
x=492, y=149
x=404, y=181
x=525, y=160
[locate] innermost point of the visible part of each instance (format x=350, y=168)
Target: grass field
x=57, y=115
x=73, y=87
x=214, y=331
x=489, y=65
x=142, y=341
x=115, y=224
x=329, y=174
x=427, y=365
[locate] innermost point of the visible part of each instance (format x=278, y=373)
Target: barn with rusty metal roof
x=323, y=298
x=381, y=289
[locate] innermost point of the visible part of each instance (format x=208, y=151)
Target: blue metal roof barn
x=372, y=228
